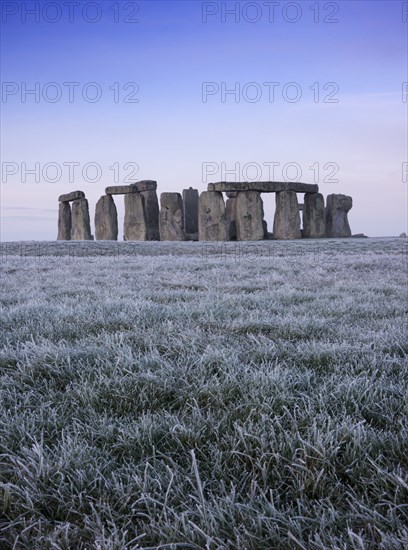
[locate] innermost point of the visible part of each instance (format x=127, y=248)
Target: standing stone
x=212, y=222
x=286, y=224
x=314, y=225
x=190, y=210
x=249, y=216
x=106, y=219
x=337, y=224
x=171, y=217
x=265, y=229
x=135, y=225
x=151, y=208
x=64, y=222
x=81, y=227
x=231, y=217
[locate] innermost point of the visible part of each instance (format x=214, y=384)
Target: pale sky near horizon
x=192, y=92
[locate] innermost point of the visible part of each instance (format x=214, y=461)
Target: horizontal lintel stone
x=264, y=186
x=145, y=185
x=73, y=196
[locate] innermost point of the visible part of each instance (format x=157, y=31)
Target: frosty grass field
x=193, y=395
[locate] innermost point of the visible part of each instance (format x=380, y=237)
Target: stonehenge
x=135, y=223
x=263, y=186
x=69, y=197
x=73, y=222
x=64, y=222
x=151, y=209
x=171, y=217
x=212, y=221
x=144, y=185
x=106, y=219
x=190, y=211
x=313, y=216
x=205, y=216
x=286, y=223
x=249, y=216
x=337, y=224
x=80, y=223
x=231, y=217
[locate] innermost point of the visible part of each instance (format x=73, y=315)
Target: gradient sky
x=171, y=134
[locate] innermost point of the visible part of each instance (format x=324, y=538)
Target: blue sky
x=165, y=60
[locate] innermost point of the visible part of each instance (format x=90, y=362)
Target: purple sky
x=192, y=92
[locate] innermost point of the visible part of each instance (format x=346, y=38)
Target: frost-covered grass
x=162, y=395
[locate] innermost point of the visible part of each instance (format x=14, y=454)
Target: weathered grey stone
x=171, y=217
x=264, y=186
x=249, y=216
x=286, y=223
x=232, y=194
x=212, y=223
x=145, y=185
x=135, y=225
x=81, y=227
x=190, y=210
x=231, y=217
x=106, y=219
x=265, y=229
x=359, y=236
x=64, y=222
x=403, y=235
x=74, y=195
x=192, y=236
x=314, y=216
x=337, y=206
x=138, y=187
x=151, y=207
x=121, y=189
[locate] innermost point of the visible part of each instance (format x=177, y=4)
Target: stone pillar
x=265, y=229
x=313, y=216
x=64, y=221
x=286, y=224
x=171, y=217
x=151, y=207
x=106, y=219
x=212, y=223
x=231, y=217
x=81, y=227
x=249, y=216
x=135, y=225
x=337, y=207
x=190, y=210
